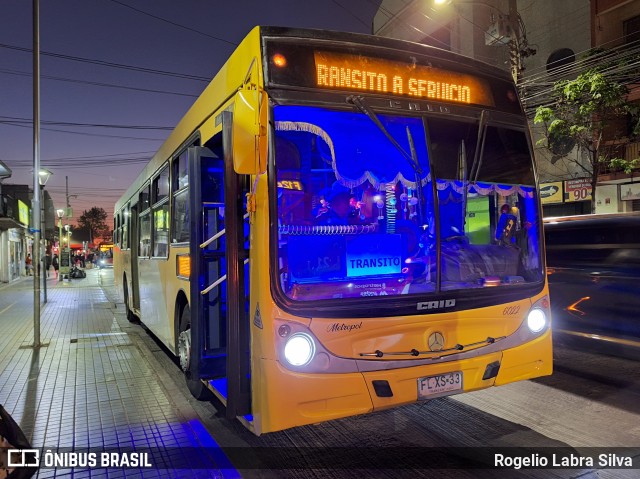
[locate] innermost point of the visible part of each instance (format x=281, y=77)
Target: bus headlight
x=536, y=320
x=299, y=349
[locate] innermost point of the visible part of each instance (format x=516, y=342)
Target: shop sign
x=23, y=213
x=630, y=192
x=551, y=192
x=14, y=234
x=577, y=190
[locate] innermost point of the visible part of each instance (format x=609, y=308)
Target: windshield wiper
x=412, y=158
x=477, y=163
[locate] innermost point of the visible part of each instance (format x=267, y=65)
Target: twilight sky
x=102, y=117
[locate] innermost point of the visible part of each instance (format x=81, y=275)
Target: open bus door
x=133, y=244
x=219, y=320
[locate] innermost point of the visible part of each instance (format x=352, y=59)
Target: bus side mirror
x=249, y=132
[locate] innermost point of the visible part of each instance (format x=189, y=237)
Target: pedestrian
x=56, y=264
x=47, y=262
x=28, y=263
x=507, y=225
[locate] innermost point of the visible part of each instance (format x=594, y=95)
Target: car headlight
x=536, y=320
x=299, y=349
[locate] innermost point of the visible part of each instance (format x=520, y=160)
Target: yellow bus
x=105, y=255
x=341, y=223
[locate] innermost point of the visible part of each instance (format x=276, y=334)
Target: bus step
x=219, y=388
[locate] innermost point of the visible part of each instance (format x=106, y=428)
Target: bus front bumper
x=293, y=399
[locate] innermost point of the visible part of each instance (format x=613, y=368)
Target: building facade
x=16, y=235
x=539, y=46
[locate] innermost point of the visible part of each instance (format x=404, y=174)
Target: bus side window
x=160, y=213
x=180, y=230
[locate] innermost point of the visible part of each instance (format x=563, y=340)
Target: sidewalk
x=92, y=385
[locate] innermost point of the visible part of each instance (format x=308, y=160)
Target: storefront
x=17, y=253
x=14, y=241
x=564, y=198
x=573, y=197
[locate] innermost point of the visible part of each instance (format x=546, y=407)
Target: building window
x=631, y=29
x=560, y=58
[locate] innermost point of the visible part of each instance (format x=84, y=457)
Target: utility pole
x=514, y=42
x=518, y=46
x=68, y=212
x=36, y=174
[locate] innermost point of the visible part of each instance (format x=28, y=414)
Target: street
x=591, y=401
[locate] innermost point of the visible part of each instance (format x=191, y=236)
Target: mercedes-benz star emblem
x=436, y=342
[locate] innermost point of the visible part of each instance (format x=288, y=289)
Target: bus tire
x=196, y=387
x=132, y=318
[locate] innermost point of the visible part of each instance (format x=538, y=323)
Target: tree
x=590, y=112
x=94, y=221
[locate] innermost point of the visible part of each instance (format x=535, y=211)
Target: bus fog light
x=536, y=320
x=299, y=349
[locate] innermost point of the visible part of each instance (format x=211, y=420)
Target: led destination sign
x=354, y=72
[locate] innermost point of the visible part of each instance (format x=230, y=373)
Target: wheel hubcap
x=184, y=349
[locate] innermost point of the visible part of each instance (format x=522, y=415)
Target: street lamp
x=43, y=177
x=40, y=178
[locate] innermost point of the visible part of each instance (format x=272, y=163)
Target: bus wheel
x=132, y=318
x=196, y=387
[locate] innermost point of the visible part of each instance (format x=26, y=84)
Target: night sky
x=101, y=117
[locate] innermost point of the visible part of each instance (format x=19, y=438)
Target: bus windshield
x=350, y=223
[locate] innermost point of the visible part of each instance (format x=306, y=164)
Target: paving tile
x=90, y=386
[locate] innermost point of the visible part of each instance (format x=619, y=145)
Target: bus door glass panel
x=159, y=194
x=489, y=220
x=125, y=228
x=144, y=199
x=144, y=249
x=350, y=221
x=144, y=222
x=135, y=240
x=180, y=230
x=161, y=230
x=212, y=191
x=160, y=188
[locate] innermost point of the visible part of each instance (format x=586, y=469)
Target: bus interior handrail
x=217, y=282
x=219, y=234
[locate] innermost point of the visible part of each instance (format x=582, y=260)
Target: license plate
x=441, y=384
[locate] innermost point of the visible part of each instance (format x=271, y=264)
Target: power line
x=14, y=119
x=120, y=137
x=101, y=156
x=107, y=64
x=100, y=84
x=348, y=11
x=540, y=93
x=86, y=164
x=174, y=23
